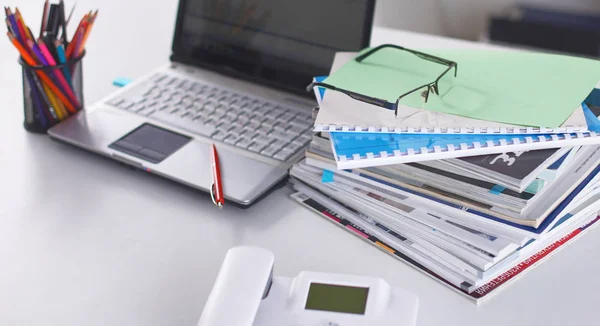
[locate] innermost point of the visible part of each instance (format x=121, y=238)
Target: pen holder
x=51, y=93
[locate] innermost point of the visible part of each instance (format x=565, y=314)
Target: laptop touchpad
x=150, y=143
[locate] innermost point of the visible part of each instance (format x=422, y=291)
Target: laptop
x=237, y=78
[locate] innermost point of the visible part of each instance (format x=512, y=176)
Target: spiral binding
x=534, y=139
x=441, y=130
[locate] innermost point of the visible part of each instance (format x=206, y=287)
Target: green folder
x=513, y=87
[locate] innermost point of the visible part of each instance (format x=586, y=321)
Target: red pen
x=216, y=189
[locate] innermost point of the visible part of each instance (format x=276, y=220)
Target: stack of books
x=471, y=203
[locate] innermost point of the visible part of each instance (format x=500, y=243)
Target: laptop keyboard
x=253, y=124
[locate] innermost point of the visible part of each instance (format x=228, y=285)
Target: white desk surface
x=85, y=241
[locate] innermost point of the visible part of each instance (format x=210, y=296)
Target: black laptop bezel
x=179, y=54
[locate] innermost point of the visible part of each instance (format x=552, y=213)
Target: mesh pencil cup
x=51, y=93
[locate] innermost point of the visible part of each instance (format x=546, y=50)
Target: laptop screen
x=281, y=43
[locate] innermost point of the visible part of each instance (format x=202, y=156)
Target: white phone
x=247, y=294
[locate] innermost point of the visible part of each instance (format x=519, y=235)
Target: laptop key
x=247, y=133
x=295, y=130
x=286, y=117
x=257, y=147
x=125, y=104
x=187, y=125
x=264, y=130
x=284, y=136
x=149, y=90
x=254, y=125
x=258, y=118
x=274, y=114
x=282, y=127
x=232, y=115
x=211, y=123
x=261, y=110
x=222, y=109
x=159, y=78
x=210, y=107
x=269, y=123
x=239, y=124
x=202, y=97
x=245, y=115
x=294, y=146
x=187, y=116
x=173, y=81
x=270, y=150
x=284, y=154
x=244, y=143
x=225, y=126
x=139, y=107
x=279, y=143
x=116, y=101
x=187, y=101
x=231, y=139
x=281, y=110
x=186, y=85
x=219, y=135
x=217, y=115
x=300, y=122
x=305, y=138
x=243, y=119
x=263, y=139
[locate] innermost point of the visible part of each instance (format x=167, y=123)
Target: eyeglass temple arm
x=421, y=55
x=319, y=84
x=356, y=96
x=377, y=48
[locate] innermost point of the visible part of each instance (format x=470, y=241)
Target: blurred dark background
x=567, y=26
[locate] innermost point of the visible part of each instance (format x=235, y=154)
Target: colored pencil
x=61, y=112
x=77, y=40
x=26, y=30
x=9, y=25
x=21, y=28
x=36, y=100
x=62, y=58
x=45, y=94
x=52, y=92
x=30, y=61
x=15, y=26
x=41, y=51
x=87, y=33
x=79, y=31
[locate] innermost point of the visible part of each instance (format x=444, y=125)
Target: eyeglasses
x=425, y=89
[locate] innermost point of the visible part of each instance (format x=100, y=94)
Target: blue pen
x=62, y=58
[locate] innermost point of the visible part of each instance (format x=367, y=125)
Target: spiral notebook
x=353, y=150
x=359, y=150
x=340, y=112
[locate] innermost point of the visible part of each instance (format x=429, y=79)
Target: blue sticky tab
x=497, y=189
x=121, y=81
x=594, y=97
x=535, y=186
x=321, y=89
x=327, y=176
x=592, y=121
